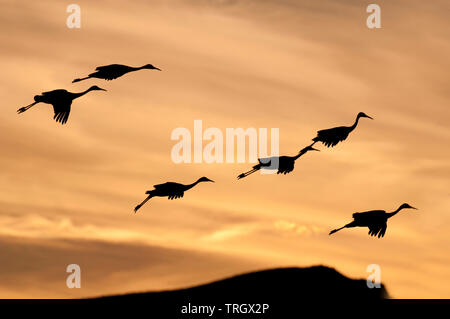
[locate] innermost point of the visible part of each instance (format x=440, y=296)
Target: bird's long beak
x=102, y=89
x=210, y=180
x=158, y=69
x=314, y=149
x=369, y=117
x=414, y=208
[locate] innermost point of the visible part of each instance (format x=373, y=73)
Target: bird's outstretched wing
x=369, y=213
x=377, y=229
x=330, y=137
x=383, y=230
x=286, y=167
x=176, y=194
x=55, y=93
x=285, y=170
x=170, y=189
x=108, y=67
x=166, y=185
x=265, y=161
x=62, y=111
x=111, y=72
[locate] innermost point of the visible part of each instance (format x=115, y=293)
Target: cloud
x=296, y=229
x=38, y=226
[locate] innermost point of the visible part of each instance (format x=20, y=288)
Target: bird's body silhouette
x=375, y=220
x=171, y=190
x=330, y=137
x=113, y=71
x=61, y=100
x=285, y=163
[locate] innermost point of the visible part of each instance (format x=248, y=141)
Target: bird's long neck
x=299, y=154
x=354, y=124
x=189, y=186
x=389, y=215
x=77, y=95
x=137, y=68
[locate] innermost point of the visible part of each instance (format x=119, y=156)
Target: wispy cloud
x=294, y=228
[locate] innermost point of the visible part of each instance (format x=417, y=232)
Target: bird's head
x=362, y=114
x=204, y=179
x=150, y=67
x=405, y=205
x=96, y=88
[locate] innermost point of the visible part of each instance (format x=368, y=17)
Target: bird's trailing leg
x=335, y=230
x=247, y=173
x=23, y=109
x=338, y=229
x=82, y=79
x=143, y=202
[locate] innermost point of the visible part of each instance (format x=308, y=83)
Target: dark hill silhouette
x=283, y=289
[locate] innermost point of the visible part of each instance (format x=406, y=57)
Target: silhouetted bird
x=61, y=101
x=171, y=190
x=285, y=163
x=113, y=71
x=376, y=220
x=332, y=136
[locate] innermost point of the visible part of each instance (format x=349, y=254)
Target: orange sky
x=68, y=191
